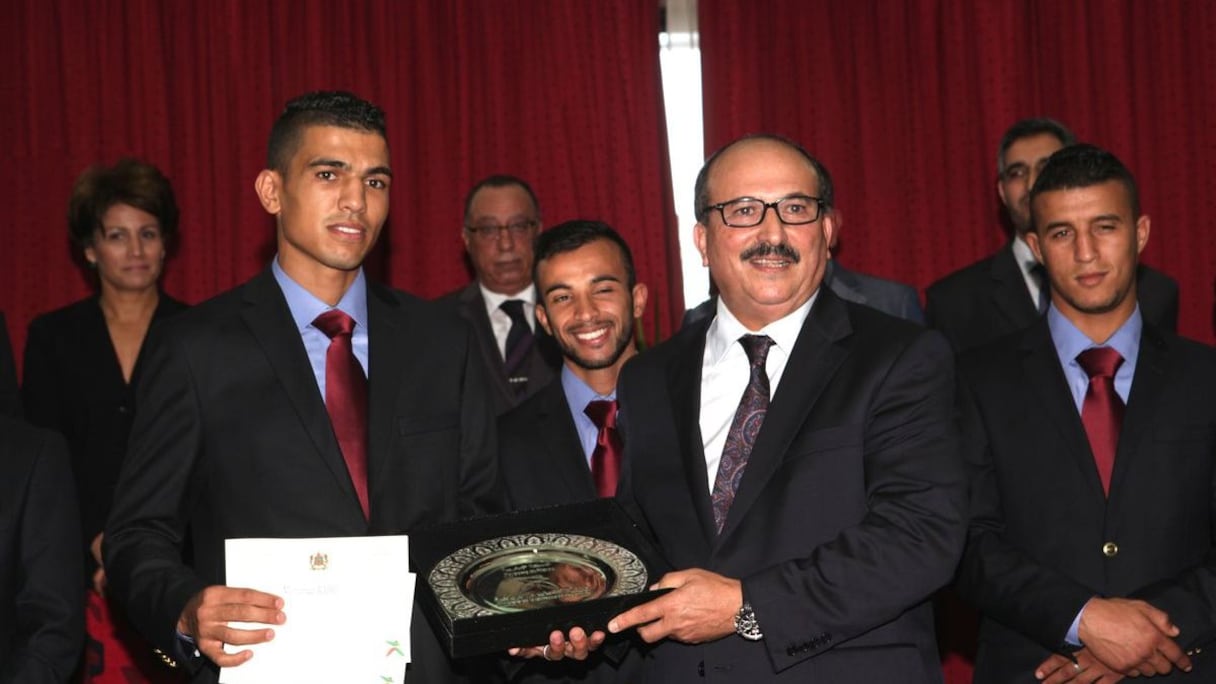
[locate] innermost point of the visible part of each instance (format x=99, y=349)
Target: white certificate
x=348, y=603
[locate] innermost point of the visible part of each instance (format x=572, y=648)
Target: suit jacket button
x=1110, y=549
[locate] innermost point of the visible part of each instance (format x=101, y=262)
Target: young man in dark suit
x=307, y=402
x=1092, y=458
x=1005, y=292
x=501, y=219
x=41, y=560
x=561, y=445
x=795, y=455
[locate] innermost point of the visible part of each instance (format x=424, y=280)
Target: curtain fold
x=906, y=100
x=566, y=95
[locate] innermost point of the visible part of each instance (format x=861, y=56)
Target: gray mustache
x=765, y=249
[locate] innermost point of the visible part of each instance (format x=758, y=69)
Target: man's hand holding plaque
x=701, y=607
x=576, y=645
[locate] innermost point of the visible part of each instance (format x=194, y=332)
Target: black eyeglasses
x=746, y=212
x=491, y=231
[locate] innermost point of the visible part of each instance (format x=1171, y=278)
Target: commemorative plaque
x=493, y=583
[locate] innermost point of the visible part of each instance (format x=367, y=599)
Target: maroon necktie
x=1102, y=410
x=741, y=436
x=606, y=459
x=346, y=398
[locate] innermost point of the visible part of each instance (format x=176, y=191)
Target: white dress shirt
x=1026, y=261
x=500, y=322
x=725, y=372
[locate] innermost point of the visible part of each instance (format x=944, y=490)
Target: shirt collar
x=579, y=393
x=495, y=299
x=305, y=306
x=726, y=330
x=1070, y=341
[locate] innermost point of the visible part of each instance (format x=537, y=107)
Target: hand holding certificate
x=346, y=605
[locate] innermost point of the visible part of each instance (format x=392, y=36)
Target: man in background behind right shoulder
x=1005, y=292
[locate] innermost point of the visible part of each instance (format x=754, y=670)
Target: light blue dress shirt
x=578, y=395
x=1069, y=342
x=305, y=307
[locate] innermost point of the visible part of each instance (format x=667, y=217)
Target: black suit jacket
x=41, y=576
x=10, y=399
x=850, y=512
x=542, y=463
x=888, y=296
x=1040, y=521
x=541, y=363
x=73, y=385
x=233, y=440
x=988, y=300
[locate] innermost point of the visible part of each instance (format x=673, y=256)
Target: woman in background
x=82, y=364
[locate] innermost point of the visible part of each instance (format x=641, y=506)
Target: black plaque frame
x=468, y=636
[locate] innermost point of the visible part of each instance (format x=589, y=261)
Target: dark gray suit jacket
x=1040, y=523
x=234, y=441
x=988, y=300
x=850, y=512
x=541, y=364
x=10, y=398
x=41, y=564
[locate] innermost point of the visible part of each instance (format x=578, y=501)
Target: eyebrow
x=345, y=166
x=596, y=279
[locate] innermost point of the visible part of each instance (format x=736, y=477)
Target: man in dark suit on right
x=501, y=219
x=1005, y=292
x=795, y=455
x=1092, y=459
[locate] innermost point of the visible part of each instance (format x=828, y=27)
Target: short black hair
x=701, y=188
x=319, y=108
x=500, y=180
x=1082, y=166
x=569, y=236
x=129, y=181
x=1027, y=128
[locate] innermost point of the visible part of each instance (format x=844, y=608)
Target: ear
x=1000, y=191
x=464, y=235
x=700, y=239
x=542, y=317
x=640, y=292
x=90, y=255
x=268, y=186
x=1032, y=239
x=829, y=230
x=1142, y=230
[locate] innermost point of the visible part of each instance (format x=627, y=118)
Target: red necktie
x=346, y=398
x=741, y=436
x=606, y=459
x=1102, y=410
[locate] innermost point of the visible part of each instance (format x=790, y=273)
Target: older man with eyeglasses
x=794, y=454
x=501, y=220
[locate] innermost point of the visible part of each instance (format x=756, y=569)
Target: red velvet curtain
x=906, y=100
x=564, y=94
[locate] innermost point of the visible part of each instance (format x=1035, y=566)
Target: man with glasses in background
x=501, y=219
x=794, y=455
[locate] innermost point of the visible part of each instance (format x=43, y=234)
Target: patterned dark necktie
x=743, y=428
x=606, y=459
x=1102, y=410
x=519, y=341
x=346, y=398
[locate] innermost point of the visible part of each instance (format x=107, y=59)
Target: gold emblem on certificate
x=530, y=571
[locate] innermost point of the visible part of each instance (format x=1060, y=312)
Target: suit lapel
x=557, y=429
x=817, y=354
x=1147, y=386
x=266, y=314
x=1009, y=294
x=473, y=309
x=684, y=393
x=389, y=350
x=1050, y=392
